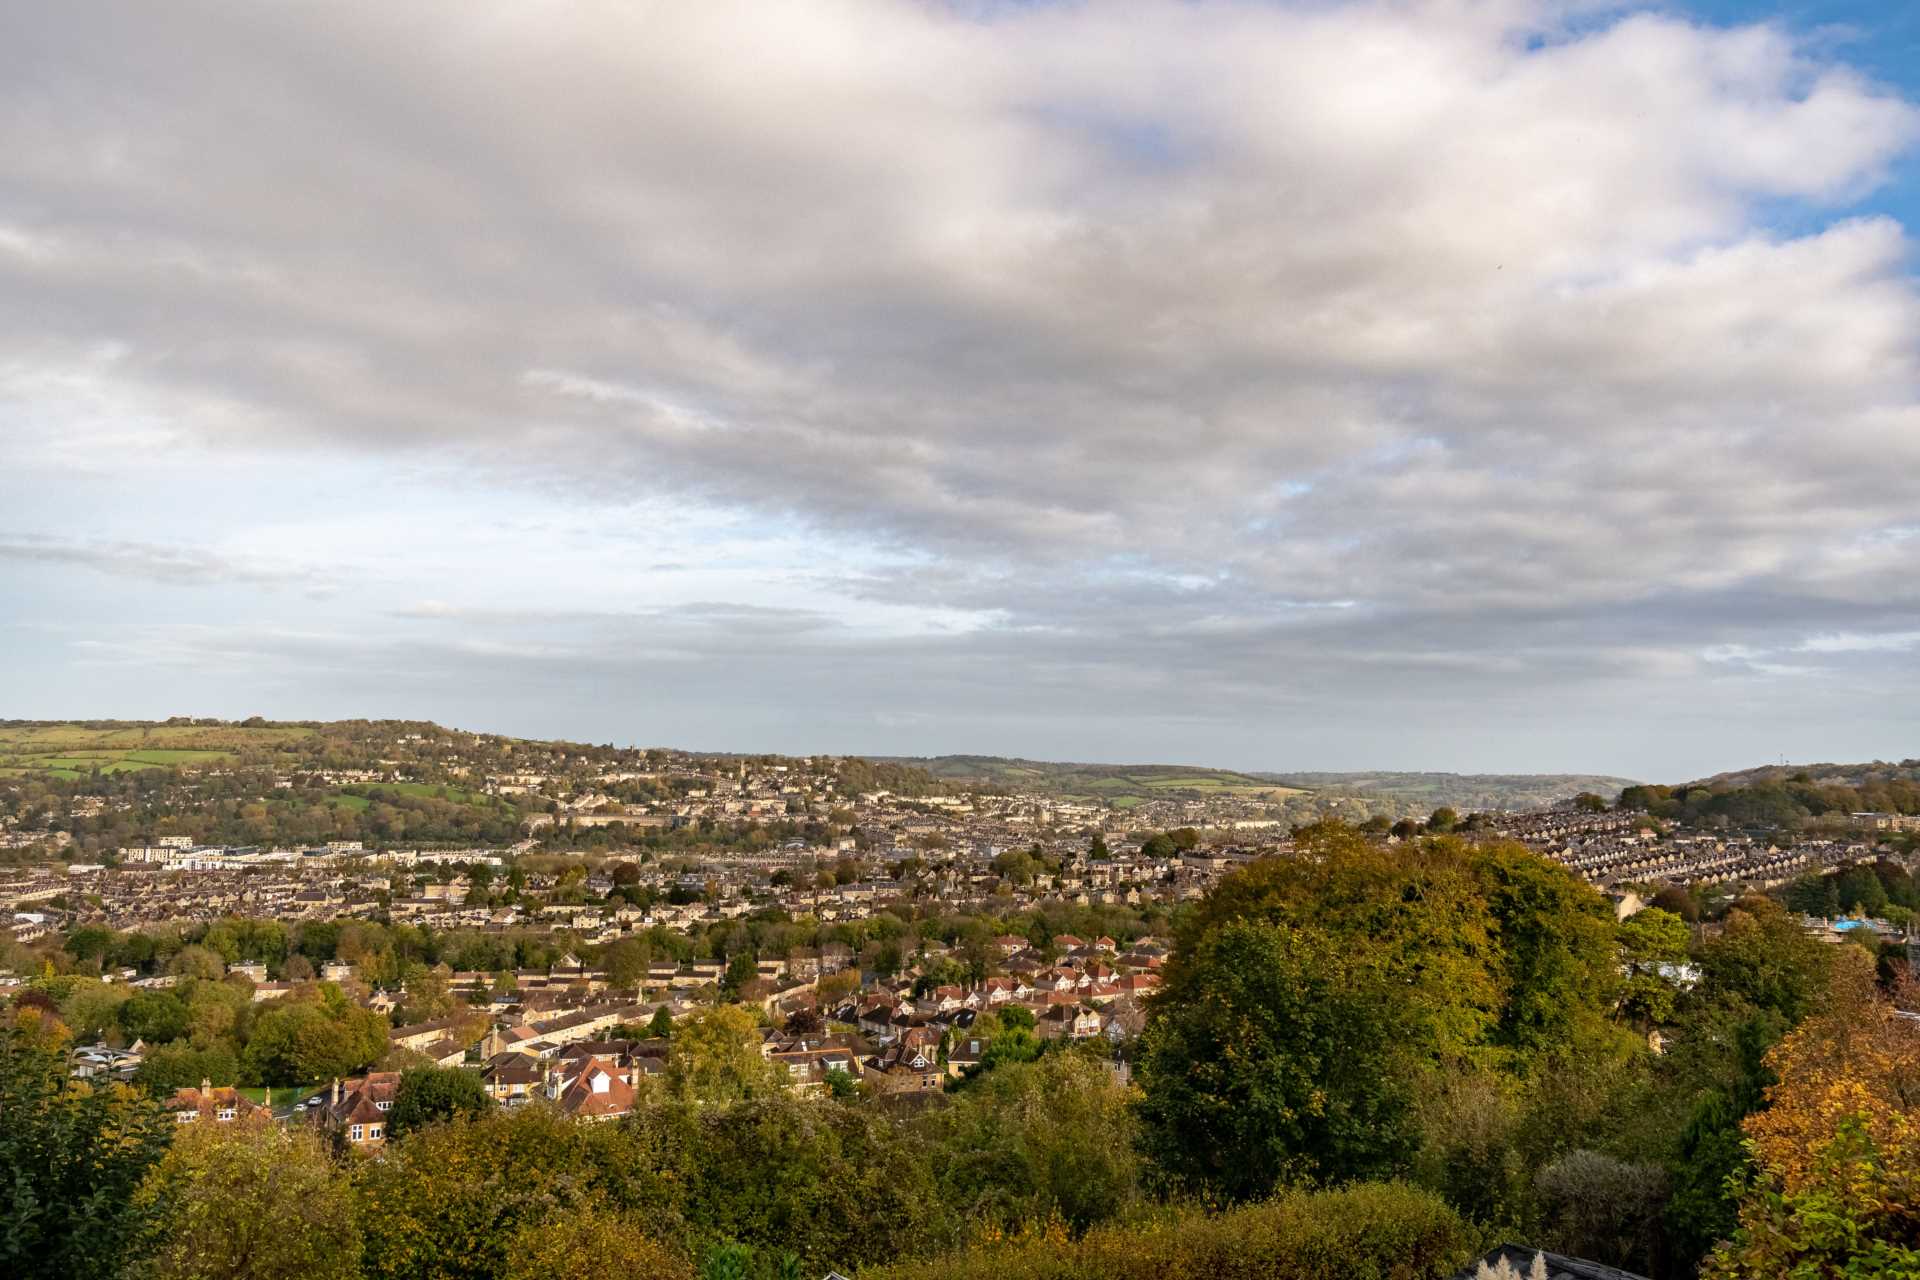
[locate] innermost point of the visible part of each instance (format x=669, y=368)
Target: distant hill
x=1787, y=797
x=1123, y=785
x=1397, y=793
x=1844, y=775
x=1419, y=793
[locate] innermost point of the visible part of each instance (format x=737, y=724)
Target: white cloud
x=1451, y=337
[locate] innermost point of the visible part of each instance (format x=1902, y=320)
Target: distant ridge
x=1408, y=792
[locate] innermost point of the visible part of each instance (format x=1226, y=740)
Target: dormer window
x=184, y=1117
x=385, y=1104
x=225, y=1113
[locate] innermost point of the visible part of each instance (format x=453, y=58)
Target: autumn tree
x=591, y=1244
x=715, y=1057
x=250, y=1201
x=1836, y=1153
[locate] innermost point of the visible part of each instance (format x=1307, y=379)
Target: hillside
x=1122, y=785
x=1395, y=793
x=1788, y=797
x=1424, y=792
x=75, y=749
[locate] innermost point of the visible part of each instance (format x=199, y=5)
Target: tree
x=427, y=1095
x=1595, y=1206
x=840, y=1187
x=197, y=962
x=715, y=1057
x=1837, y=1151
x=250, y=1201
x=1159, y=846
x=742, y=969
x=592, y=1244
x=1038, y=1141
x=1443, y=820
x=627, y=962
x=660, y=1026
x=181, y=1066
x=154, y=1016
x=73, y=1156
x=1649, y=940
x=451, y=1201
x=1097, y=849
x=313, y=1040
x=1275, y=1062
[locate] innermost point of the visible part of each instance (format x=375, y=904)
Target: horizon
x=1520, y=386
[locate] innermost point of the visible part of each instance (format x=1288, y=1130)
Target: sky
x=1471, y=385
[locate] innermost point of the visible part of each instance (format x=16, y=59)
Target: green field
x=74, y=751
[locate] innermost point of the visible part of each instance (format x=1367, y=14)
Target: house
x=809, y=1062
x=209, y=1105
x=599, y=1089
x=966, y=1052
x=511, y=1078
x=357, y=1108
x=1067, y=1021
x=902, y=1069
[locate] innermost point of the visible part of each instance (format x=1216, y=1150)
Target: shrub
x=1610, y=1210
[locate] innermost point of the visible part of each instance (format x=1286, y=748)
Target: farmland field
x=75, y=750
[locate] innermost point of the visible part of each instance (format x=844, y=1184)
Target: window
x=184, y=1117
x=385, y=1104
x=357, y=1133
x=373, y=1131
x=225, y=1113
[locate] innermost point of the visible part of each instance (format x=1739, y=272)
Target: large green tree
x=430, y=1094
x=1277, y=1060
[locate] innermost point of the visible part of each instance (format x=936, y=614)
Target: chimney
x=206, y=1087
x=336, y=1091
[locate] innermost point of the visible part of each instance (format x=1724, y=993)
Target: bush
x=1609, y=1210
x=1368, y=1231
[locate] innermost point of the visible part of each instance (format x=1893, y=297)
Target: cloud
x=1248, y=358
x=171, y=565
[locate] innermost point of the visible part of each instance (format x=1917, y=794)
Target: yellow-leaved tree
x=1836, y=1152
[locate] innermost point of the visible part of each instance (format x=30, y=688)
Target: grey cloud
x=1230, y=356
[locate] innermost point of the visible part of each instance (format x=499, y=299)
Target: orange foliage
x=1837, y=1150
